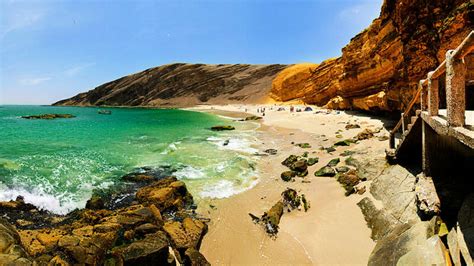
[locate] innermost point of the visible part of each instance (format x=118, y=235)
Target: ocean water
x=56, y=164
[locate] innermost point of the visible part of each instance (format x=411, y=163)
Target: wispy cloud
x=33, y=81
x=16, y=17
x=77, y=69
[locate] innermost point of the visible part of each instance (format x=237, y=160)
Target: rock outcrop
x=380, y=68
x=144, y=232
x=290, y=83
x=183, y=85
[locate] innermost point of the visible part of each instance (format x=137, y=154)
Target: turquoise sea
x=56, y=164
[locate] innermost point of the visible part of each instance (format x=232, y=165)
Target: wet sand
x=332, y=232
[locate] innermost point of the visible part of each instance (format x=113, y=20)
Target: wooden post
x=455, y=90
x=423, y=96
x=433, y=95
x=403, y=124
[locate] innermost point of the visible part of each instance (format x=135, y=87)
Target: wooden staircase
x=410, y=119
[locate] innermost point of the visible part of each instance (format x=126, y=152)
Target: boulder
x=11, y=250
x=333, y=162
x=290, y=160
x=138, y=177
x=187, y=234
x=291, y=198
x=288, y=176
x=395, y=188
x=352, y=126
x=300, y=167
x=401, y=240
x=312, y=161
x=151, y=250
x=338, y=103
x=342, y=169
x=430, y=252
x=271, y=219
x=325, y=171
x=365, y=134
x=95, y=203
x=349, y=180
x=193, y=257
x=165, y=194
x=303, y=145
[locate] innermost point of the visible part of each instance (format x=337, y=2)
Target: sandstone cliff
x=183, y=85
x=380, y=68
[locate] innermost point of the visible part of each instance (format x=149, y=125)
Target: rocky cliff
x=380, y=68
x=183, y=85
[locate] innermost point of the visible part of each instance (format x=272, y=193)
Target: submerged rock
x=222, y=128
x=253, y=118
x=48, y=116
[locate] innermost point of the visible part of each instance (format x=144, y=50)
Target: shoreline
x=313, y=237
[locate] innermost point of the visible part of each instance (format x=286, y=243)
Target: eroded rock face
x=290, y=83
x=380, y=68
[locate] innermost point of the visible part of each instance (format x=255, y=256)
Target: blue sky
x=50, y=50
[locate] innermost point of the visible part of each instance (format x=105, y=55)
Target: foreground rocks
x=158, y=220
x=48, y=116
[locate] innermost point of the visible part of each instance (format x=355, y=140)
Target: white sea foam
x=171, y=148
x=44, y=201
x=235, y=144
x=225, y=189
x=190, y=172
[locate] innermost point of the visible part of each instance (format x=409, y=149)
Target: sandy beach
x=332, y=232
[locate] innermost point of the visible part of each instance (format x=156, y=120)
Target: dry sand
x=332, y=232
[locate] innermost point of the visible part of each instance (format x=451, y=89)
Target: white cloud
x=33, y=81
x=77, y=69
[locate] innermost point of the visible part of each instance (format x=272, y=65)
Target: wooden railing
x=455, y=70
